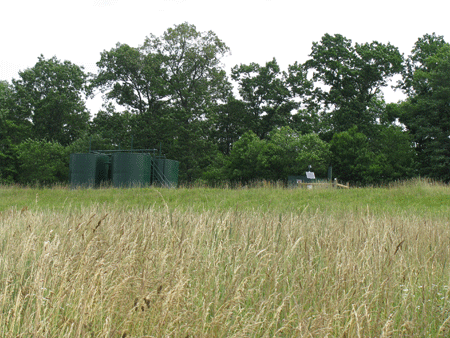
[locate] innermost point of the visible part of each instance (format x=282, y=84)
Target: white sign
x=310, y=175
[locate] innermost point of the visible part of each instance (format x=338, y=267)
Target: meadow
x=198, y=262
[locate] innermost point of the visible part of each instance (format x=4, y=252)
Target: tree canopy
x=257, y=122
x=51, y=96
x=269, y=94
x=426, y=112
x=348, y=79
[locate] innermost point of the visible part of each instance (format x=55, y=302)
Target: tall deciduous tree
x=113, y=126
x=174, y=83
x=269, y=93
x=13, y=130
x=131, y=78
x=353, y=160
x=426, y=112
x=196, y=83
x=244, y=161
x=287, y=152
x=426, y=46
x=349, y=78
x=191, y=68
x=230, y=121
x=41, y=161
x=385, y=157
x=51, y=95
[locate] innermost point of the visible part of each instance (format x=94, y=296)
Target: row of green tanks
x=122, y=169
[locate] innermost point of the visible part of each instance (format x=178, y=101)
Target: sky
x=255, y=30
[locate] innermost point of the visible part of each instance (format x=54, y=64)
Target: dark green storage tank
x=165, y=172
x=88, y=170
x=158, y=171
x=131, y=169
x=171, y=172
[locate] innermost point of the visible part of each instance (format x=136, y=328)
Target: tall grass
x=416, y=196
x=180, y=270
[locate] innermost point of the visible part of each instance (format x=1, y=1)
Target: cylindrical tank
x=171, y=172
x=165, y=172
x=88, y=170
x=103, y=169
x=129, y=169
x=158, y=176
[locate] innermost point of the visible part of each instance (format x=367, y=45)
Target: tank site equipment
x=123, y=168
x=309, y=180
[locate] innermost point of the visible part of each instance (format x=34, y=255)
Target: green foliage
x=386, y=157
x=426, y=46
x=13, y=130
x=192, y=148
x=245, y=158
x=351, y=156
x=14, y=127
x=216, y=172
x=51, y=95
x=86, y=142
x=229, y=122
x=354, y=76
x=426, y=113
x=191, y=67
x=5, y=127
x=290, y=153
x=307, y=121
x=196, y=83
x=173, y=90
x=131, y=77
x=174, y=83
x=41, y=161
x=269, y=93
x=113, y=126
x=396, y=152
x=285, y=152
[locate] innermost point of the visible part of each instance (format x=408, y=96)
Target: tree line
x=173, y=90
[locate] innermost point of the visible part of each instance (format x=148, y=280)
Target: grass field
x=257, y=262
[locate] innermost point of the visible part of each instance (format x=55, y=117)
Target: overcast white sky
x=255, y=30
